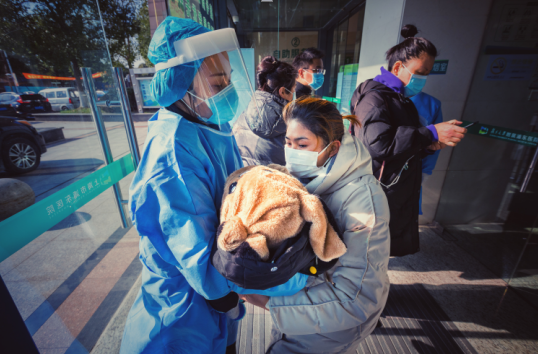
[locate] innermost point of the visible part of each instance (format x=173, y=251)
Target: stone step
x=51, y=134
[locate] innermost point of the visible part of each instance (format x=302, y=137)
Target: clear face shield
x=221, y=89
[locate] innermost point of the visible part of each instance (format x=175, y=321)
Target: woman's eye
x=303, y=146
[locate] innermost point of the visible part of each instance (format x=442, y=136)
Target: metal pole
x=15, y=82
x=101, y=133
x=530, y=171
x=127, y=118
x=138, y=94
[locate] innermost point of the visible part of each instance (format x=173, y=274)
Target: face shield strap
x=191, y=118
x=201, y=46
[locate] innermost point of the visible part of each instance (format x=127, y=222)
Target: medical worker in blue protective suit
x=429, y=111
x=184, y=304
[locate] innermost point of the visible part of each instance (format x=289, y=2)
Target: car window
x=5, y=98
x=72, y=93
x=61, y=94
x=31, y=97
x=50, y=94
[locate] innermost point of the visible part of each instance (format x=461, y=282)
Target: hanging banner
x=25, y=226
x=48, y=77
x=515, y=136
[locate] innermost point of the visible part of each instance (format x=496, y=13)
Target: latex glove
x=238, y=312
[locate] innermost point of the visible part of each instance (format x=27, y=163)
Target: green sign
x=331, y=99
x=25, y=226
x=439, y=67
x=286, y=53
x=516, y=136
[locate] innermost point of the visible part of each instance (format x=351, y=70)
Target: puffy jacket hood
x=260, y=133
x=270, y=112
x=352, y=161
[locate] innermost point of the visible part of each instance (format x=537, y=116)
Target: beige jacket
x=352, y=295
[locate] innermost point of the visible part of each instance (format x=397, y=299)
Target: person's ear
x=335, y=147
x=396, y=68
x=285, y=94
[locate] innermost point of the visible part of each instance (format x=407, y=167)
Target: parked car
x=61, y=98
x=6, y=109
x=26, y=103
x=21, y=146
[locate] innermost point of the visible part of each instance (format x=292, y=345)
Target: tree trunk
x=78, y=82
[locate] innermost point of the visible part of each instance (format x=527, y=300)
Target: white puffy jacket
x=340, y=308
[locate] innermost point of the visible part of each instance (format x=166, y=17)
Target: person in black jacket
x=391, y=130
x=260, y=130
x=309, y=66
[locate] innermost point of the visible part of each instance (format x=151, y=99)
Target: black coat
x=260, y=137
x=392, y=133
x=302, y=90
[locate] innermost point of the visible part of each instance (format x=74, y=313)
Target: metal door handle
x=530, y=171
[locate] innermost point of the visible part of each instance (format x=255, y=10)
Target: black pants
x=230, y=349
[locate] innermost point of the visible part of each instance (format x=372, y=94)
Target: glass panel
x=60, y=281
x=482, y=202
x=295, y=14
x=199, y=11
x=525, y=277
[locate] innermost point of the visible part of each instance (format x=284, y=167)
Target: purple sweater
x=391, y=81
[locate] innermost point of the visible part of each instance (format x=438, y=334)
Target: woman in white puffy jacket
x=338, y=309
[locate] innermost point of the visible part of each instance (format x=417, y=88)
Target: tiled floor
x=442, y=300
x=73, y=285
x=56, y=315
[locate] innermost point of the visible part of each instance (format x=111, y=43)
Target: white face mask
x=303, y=164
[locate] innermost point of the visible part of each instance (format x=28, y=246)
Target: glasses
x=316, y=71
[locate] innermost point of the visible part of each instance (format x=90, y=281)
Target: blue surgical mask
x=223, y=105
x=317, y=80
x=293, y=99
x=415, y=85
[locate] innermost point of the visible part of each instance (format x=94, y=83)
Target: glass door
x=489, y=201
x=66, y=255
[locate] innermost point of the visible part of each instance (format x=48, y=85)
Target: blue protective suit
x=175, y=198
x=429, y=111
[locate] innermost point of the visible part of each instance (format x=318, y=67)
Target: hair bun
x=409, y=31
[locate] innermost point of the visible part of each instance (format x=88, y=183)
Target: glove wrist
x=225, y=303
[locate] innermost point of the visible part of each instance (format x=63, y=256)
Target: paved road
x=87, y=251
x=78, y=155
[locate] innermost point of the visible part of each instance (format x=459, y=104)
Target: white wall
x=382, y=19
x=456, y=27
